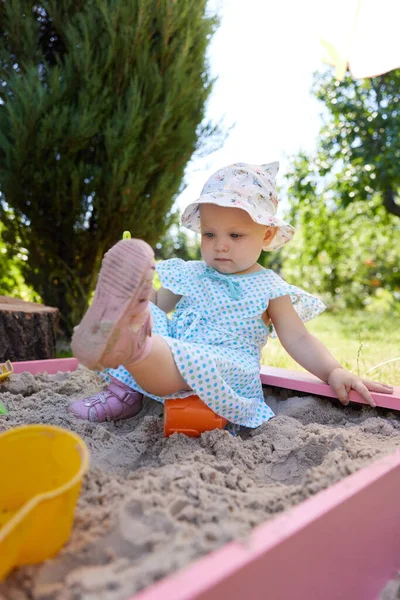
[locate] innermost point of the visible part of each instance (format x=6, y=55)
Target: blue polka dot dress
x=216, y=335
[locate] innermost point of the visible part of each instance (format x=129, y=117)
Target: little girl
x=225, y=308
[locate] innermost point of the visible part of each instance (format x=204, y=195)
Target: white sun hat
x=248, y=187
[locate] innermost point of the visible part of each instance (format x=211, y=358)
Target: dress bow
x=234, y=288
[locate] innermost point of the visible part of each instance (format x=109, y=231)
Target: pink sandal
x=115, y=403
x=116, y=329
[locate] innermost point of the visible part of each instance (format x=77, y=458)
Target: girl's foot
x=115, y=403
x=117, y=326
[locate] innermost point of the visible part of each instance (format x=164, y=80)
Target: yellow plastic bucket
x=41, y=470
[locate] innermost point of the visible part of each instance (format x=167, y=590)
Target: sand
x=391, y=590
x=151, y=505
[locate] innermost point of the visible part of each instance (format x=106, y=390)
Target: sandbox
x=202, y=516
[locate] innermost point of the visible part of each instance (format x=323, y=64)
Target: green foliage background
x=347, y=256
x=94, y=139
x=344, y=198
x=12, y=282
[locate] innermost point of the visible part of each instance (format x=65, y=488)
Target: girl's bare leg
x=157, y=373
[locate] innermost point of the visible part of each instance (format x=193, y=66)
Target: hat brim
x=191, y=216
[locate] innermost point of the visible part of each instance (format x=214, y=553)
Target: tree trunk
x=27, y=330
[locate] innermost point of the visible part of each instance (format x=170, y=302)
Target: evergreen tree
x=101, y=107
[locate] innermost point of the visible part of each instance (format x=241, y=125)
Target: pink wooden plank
x=293, y=380
x=50, y=366
x=342, y=543
x=305, y=382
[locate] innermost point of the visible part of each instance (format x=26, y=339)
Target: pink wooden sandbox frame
x=344, y=542
x=305, y=382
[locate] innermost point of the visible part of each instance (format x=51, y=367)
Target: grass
x=64, y=353
x=359, y=341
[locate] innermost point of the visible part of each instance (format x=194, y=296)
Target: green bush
x=347, y=256
x=12, y=282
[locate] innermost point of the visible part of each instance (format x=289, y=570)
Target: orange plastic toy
x=190, y=416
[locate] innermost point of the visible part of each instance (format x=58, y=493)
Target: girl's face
x=231, y=242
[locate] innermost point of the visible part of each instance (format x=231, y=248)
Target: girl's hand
x=342, y=382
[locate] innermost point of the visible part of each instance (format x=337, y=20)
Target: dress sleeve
x=174, y=275
x=306, y=305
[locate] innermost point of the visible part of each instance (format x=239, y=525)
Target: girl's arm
x=310, y=353
x=165, y=299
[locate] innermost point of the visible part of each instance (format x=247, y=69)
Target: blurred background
x=113, y=113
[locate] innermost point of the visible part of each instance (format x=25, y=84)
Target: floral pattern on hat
x=249, y=187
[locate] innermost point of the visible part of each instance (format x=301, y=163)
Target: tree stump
x=27, y=330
